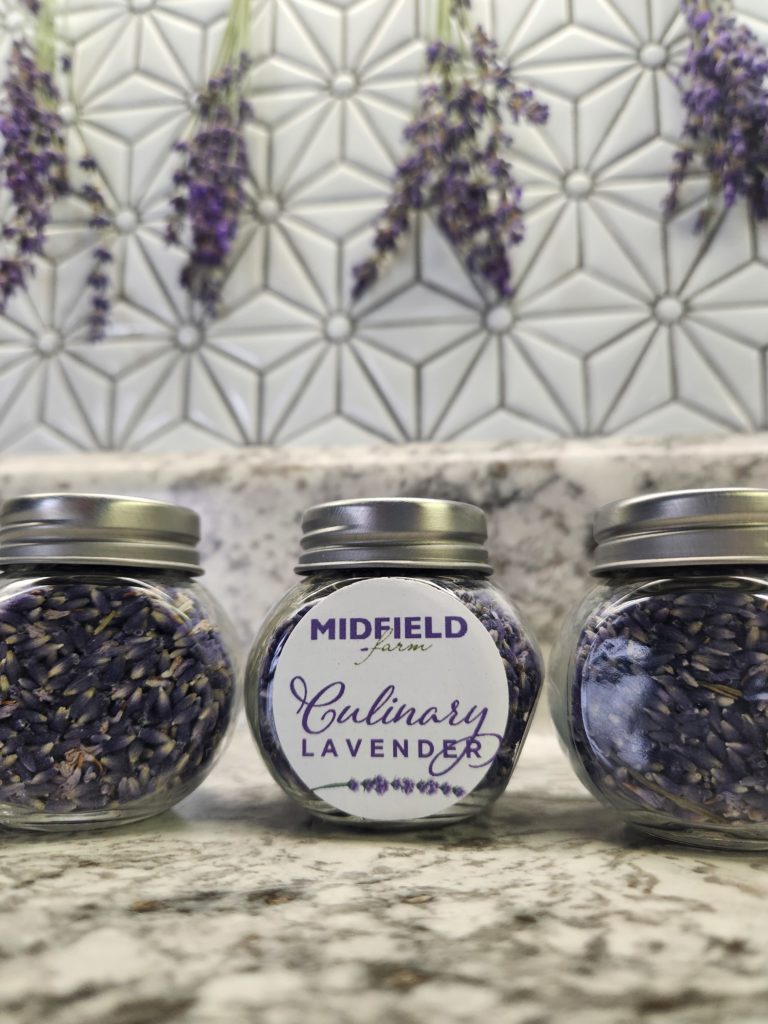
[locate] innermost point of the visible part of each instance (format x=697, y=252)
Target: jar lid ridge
x=98, y=529
x=406, y=533
x=715, y=526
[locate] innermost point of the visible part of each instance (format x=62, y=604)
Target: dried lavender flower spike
x=209, y=198
x=34, y=152
x=101, y=222
x=723, y=85
x=36, y=165
x=457, y=165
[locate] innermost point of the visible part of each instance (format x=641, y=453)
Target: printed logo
x=390, y=699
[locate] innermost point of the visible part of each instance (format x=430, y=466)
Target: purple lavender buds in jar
x=394, y=686
x=116, y=683
x=660, y=681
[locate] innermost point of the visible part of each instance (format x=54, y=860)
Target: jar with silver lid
x=394, y=685
x=117, y=684
x=660, y=679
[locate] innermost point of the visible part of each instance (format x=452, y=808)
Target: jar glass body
x=521, y=671
x=660, y=697
x=117, y=689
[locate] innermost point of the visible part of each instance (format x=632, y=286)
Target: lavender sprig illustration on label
x=381, y=786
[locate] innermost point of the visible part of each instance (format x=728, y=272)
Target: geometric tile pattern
x=621, y=324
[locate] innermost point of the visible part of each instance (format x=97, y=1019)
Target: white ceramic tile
x=650, y=386
x=562, y=373
x=620, y=323
x=442, y=384
x=397, y=382
x=526, y=392
x=610, y=368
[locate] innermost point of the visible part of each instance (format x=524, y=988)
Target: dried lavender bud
x=210, y=195
x=669, y=706
x=457, y=164
x=109, y=694
x=726, y=103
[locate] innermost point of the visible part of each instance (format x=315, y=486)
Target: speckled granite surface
x=236, y=909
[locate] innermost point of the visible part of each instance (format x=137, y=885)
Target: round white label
x=390, y=699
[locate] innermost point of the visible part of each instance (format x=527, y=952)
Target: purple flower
x=726, y=103
x=380, y=785
x=100, y=221
x=457, y=164
x=354, y=785
x=34, y=163
x=210, y=195
x=408, y=786
x=36, y=167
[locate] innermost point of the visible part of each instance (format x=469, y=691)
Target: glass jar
x=660, y=678
x=116, y=683
x=394, y=685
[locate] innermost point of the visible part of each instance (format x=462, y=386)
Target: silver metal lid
x=721, y=526
x=98, y=529
x=406, y=533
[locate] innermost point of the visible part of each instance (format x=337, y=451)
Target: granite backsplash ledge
x=539, y=497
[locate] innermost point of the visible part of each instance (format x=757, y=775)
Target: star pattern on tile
x=621, y=323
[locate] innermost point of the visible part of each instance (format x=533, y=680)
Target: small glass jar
x=117, y=686
x=660, y=678
x=394, y=685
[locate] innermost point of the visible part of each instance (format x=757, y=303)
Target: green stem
x=451, y=27
x=444, y=31
x=237, y=35
x=331, y=785
x=45, y=40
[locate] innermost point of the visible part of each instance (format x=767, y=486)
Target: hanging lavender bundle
x=726, y=103
x=36, y=169
x=210, y=196
x=34, y=153
x=458, y=161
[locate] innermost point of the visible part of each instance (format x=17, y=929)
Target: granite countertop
x=237, y=908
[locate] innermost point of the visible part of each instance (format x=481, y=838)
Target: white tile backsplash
x=621, y=324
